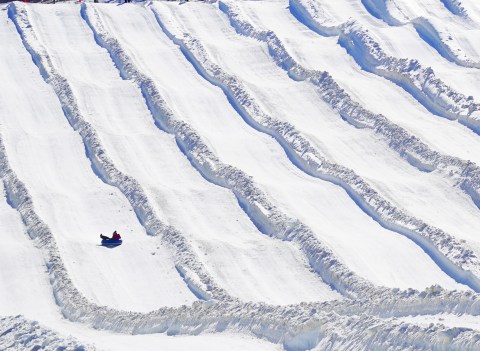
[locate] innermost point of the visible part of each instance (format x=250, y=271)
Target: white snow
x=286, y=175
x=50, y=158
x=418, y=193
x=451, y=320
x=318, y=208
x=140, y=149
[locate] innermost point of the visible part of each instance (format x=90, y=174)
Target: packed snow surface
x=285, y=175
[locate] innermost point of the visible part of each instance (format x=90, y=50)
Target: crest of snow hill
x=368, y=316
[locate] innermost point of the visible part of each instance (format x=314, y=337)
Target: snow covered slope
x=289, y=175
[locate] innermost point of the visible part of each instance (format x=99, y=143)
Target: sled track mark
x=449, y=255
x=420, y=82
x=266, y=216
x=105, y=169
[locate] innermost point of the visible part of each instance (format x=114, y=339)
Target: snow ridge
x=283, y=59
x=430, y=34
x=420, y=82
x=324, y=23
x=187, y=263
x=409, y=74
x=410, y=147
x=20, y=334
x=401, y=303
x=464, y=173
x=458, y=261
x=298, y=327
x=388, y=336
x=266, y=216
x=201, y=316
x=426, y=31
x=206, y=316
x=66, y=295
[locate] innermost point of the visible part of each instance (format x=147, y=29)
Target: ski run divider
x=297, y=327
x=408, y=146
x=186, y=262
x=418, y=154
x=451, y=256
x=201, y=316
x=409, y=74
x=425, y=30
x=431, y=36
x=265, y=215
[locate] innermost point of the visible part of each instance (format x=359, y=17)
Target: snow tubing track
x=364, y=315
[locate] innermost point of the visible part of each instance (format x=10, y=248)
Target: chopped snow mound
x=19, y=334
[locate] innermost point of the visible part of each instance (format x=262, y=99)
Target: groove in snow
x=444, y=251
x=409, y=74
x=198, y=280
x=268, y=218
